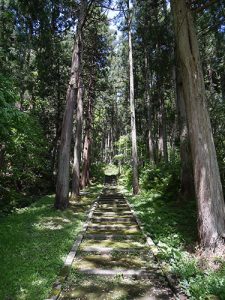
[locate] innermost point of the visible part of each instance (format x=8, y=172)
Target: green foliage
x=23, y=149
x=162, y=178
x=97, y=172
x=126, y=177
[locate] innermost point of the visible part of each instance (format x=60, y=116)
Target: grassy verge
x=34, y=242
x=173, y=228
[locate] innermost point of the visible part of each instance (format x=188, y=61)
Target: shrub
x=163, y=178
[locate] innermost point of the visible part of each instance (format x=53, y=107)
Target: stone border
x=177, y=293
x=57, y=286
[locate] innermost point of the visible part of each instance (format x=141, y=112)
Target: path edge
x=57, y=285
x=177, y=293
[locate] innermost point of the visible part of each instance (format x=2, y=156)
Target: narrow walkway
x=113, y=260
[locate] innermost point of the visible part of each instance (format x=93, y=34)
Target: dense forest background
x=36, y=44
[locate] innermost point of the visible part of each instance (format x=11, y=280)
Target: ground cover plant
x=34, y=242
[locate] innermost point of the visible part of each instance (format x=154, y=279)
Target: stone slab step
x=133, y=233
x=117, y=216
x=143, y=273
x=111, y=199
x=117, y=203
x=112, y=196
x=113, y=210
x=101, y=236
x=112, y=204
x=112, y=227
x=108, y=250
x=112, y=214
x=113, y=219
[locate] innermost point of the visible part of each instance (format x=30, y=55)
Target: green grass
x=34, y=242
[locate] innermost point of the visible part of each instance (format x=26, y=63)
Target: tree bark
x=163, y=152
x=211, y=212
x=132, y=110
x=187, y=191
x=150, y=142
x=85, y=177
x=78, y=143
x=62, y=184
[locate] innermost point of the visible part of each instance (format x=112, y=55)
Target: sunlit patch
x=22, y=294
x=51, y=223
x=38, y=282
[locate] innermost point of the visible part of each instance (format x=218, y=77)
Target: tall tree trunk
x=78, y=143
x=58, y=124
x=163, y=152
x=85, y=177
x=186, y=176
x=132, y=110
x=211, y=212
x=62, y=184
x=150, y=142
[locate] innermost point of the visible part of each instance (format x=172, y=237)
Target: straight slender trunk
x=150, y=142
x=57, y=126
x=78, y=143
x=62, y=184
x=163, y=152
x=187, y=191
x=85, y=177
x=132, y=111
x=211, y=212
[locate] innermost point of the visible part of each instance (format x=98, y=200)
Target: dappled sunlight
x=52, y=223
x=163, y=219
x=113, y=288
x=112, y=261
x=112, y=244
x=38, y=281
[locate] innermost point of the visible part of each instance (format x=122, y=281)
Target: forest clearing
x=112, y=149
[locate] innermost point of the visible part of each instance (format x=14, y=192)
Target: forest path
x=113, y=260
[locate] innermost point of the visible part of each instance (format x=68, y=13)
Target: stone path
x=113, y=260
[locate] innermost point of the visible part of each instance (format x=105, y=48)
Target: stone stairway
x=114, y=257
